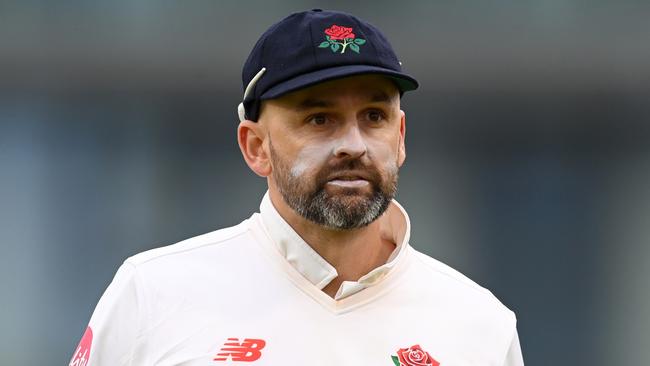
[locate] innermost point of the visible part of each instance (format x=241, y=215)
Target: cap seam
x=313, y=49
x=359, y=26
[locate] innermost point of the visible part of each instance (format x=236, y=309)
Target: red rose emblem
x=415, y=356
x=337, y=32
x=341, y=38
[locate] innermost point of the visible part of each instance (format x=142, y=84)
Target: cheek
x=384, y=154
x=311, y=157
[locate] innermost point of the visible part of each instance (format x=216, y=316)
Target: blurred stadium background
x=528, y=162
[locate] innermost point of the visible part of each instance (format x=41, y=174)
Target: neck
x=353, y=252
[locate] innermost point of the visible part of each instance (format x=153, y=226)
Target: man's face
x=336, y=148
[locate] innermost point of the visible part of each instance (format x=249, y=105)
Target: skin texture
x=345, y=137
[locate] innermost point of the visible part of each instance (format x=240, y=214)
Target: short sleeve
x=514, y=356
x=112, y=332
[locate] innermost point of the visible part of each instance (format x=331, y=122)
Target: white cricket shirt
x=251, y=295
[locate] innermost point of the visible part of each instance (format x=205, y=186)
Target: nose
x=351, y=144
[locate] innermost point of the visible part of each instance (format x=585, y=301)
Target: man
x=324, y=274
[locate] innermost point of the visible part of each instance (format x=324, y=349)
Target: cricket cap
x=311, y=47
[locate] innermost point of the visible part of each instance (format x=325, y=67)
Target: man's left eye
x=375, y=116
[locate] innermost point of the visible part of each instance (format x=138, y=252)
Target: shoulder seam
x=472, y=285
x=467, y=282
x=241, y=231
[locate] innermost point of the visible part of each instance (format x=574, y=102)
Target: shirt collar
x=395, y=226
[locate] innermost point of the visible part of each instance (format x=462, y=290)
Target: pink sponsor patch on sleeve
x=82, y=354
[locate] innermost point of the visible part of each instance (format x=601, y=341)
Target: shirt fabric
x=252, y=294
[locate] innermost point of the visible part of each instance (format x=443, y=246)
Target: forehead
x=363, y=88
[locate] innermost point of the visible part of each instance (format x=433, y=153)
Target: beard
x=349, y=209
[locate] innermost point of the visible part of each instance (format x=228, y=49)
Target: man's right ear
x=251, y=136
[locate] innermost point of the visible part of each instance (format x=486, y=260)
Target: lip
x=349, y=176
x=349, y=183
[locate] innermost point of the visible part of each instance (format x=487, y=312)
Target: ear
x=251, y=136
x=401, y=153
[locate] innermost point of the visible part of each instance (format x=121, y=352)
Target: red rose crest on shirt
x=414, y=356
x=340, y=37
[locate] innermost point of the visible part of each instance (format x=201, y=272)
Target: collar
x=395, y=226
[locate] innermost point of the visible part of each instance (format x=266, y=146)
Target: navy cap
x=311, y=47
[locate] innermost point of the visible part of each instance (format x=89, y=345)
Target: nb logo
x=246, y=351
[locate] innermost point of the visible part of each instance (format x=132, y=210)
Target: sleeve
x=514, y=356
x=111, y=336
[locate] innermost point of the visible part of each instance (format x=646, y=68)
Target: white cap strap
x=241, y=111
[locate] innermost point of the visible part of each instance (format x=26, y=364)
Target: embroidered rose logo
x=339, y=37
x=414, y=356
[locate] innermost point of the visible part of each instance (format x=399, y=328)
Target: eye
x=317, y=119
x=375, y=116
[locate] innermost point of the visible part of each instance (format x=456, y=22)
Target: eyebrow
x=311, y=103
x=380, y=96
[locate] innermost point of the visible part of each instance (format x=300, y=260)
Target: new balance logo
x=246, y=351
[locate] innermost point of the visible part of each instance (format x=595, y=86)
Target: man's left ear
x=401, y=153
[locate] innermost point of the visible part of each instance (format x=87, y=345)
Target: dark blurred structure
x=528, y=163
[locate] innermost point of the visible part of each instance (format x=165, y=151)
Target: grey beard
x=333, y=212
